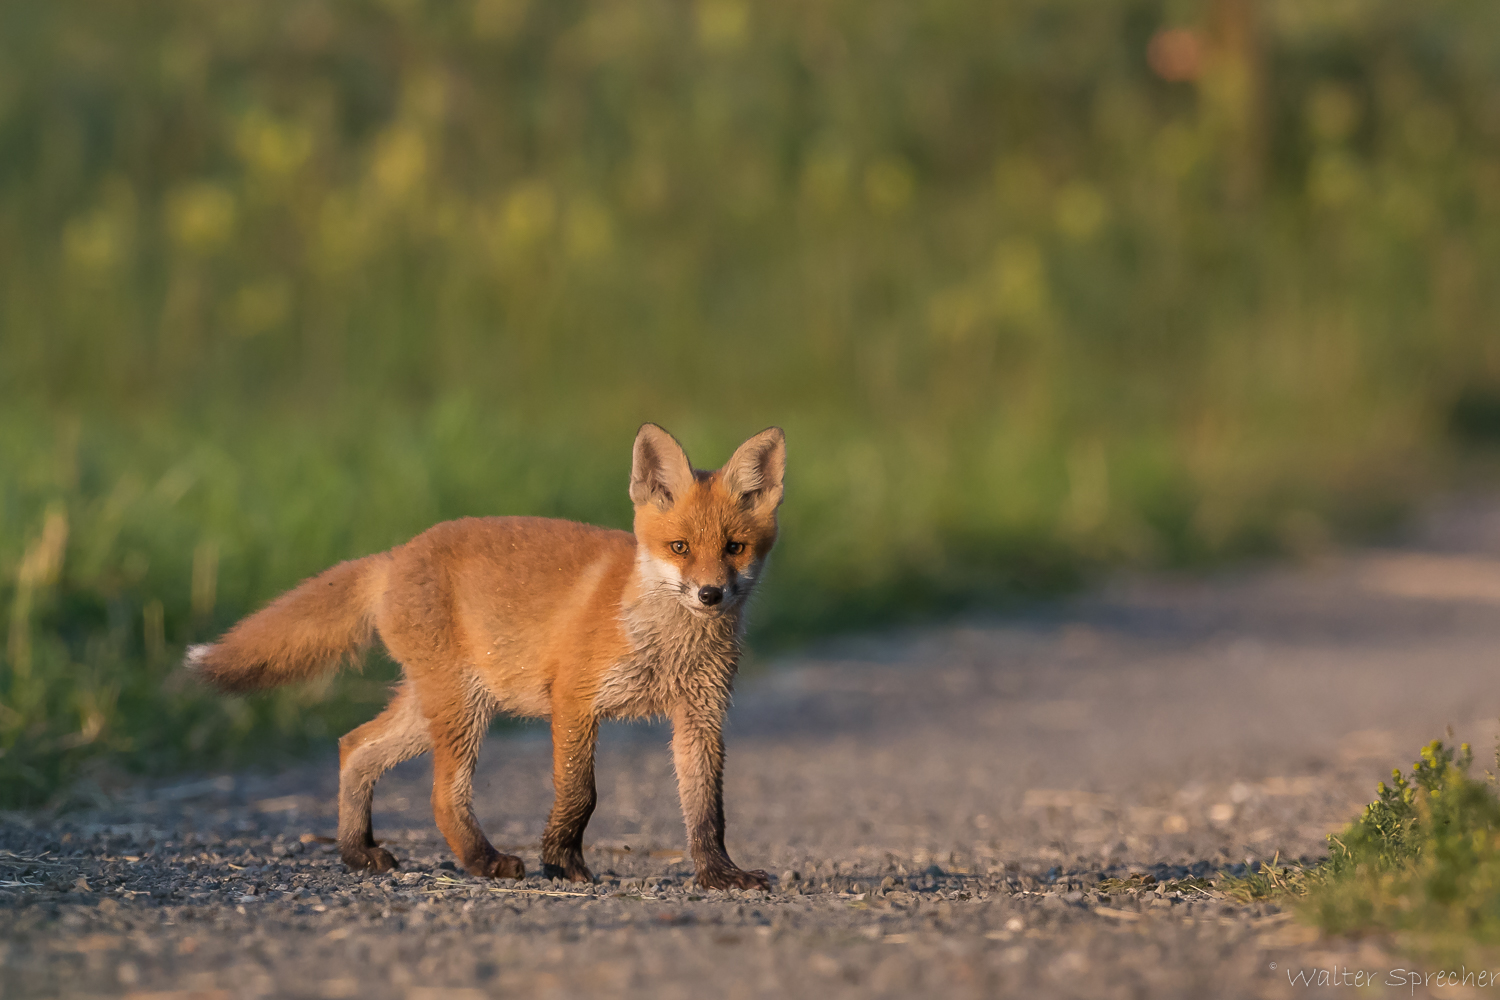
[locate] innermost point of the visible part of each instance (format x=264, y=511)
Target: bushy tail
x=312, y=628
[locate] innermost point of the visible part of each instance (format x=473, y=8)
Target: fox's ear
x=660, y=471
x=755, y=472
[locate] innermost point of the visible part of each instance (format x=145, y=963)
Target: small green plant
x=1422, y=862
x=1391, y=832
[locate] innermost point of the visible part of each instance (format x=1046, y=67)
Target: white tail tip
x=196, y=655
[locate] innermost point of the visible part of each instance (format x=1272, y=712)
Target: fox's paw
x=497, y=866
x=376, y=859
x=572, y=871
x=733, y=878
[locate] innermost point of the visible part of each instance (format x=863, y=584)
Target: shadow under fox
x=540, y=618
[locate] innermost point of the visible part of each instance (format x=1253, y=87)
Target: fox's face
x=704, y=536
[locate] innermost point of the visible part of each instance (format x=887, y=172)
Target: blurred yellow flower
x=1020, y=282
x=400, y=161
x=722, y=24
x=1408, y=206
x=270, y=147
x=889, y=184
x=1087, y=503
x=529, y=214
x=955, y=313
x=588, y=232
x=1176, y=150
x=345, y=232
x=825, y=178
x=261, y=305
x=200, y=216
x=497, y=20
x=1332, y=112
x=1080, y=211
x=1334, y=179
x=95, y=242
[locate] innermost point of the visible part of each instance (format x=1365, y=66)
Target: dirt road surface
x=939, y=808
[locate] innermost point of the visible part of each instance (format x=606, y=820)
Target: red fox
x=540, y=618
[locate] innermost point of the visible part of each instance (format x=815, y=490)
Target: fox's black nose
x=710, y=595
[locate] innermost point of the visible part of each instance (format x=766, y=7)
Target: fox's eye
x=734, y=548
x=680, y=548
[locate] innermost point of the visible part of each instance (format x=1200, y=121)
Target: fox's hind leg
x=396, y=734
x=457, y=731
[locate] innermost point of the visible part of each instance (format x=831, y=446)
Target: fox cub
x=540, y=618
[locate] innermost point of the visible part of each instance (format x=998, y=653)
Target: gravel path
x=941, y=808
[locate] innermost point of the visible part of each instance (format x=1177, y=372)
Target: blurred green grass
x=1033, y=286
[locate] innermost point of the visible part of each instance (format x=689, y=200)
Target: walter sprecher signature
x=1343, y=975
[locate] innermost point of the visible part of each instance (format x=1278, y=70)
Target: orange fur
x=303, y=632
x=540, y=618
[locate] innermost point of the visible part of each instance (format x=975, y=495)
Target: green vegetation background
x=287, y=281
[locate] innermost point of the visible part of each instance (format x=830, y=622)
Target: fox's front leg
x=574, y=735
x=456, y=735
x=698, y=755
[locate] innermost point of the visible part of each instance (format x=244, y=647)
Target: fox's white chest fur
x=676, y=654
